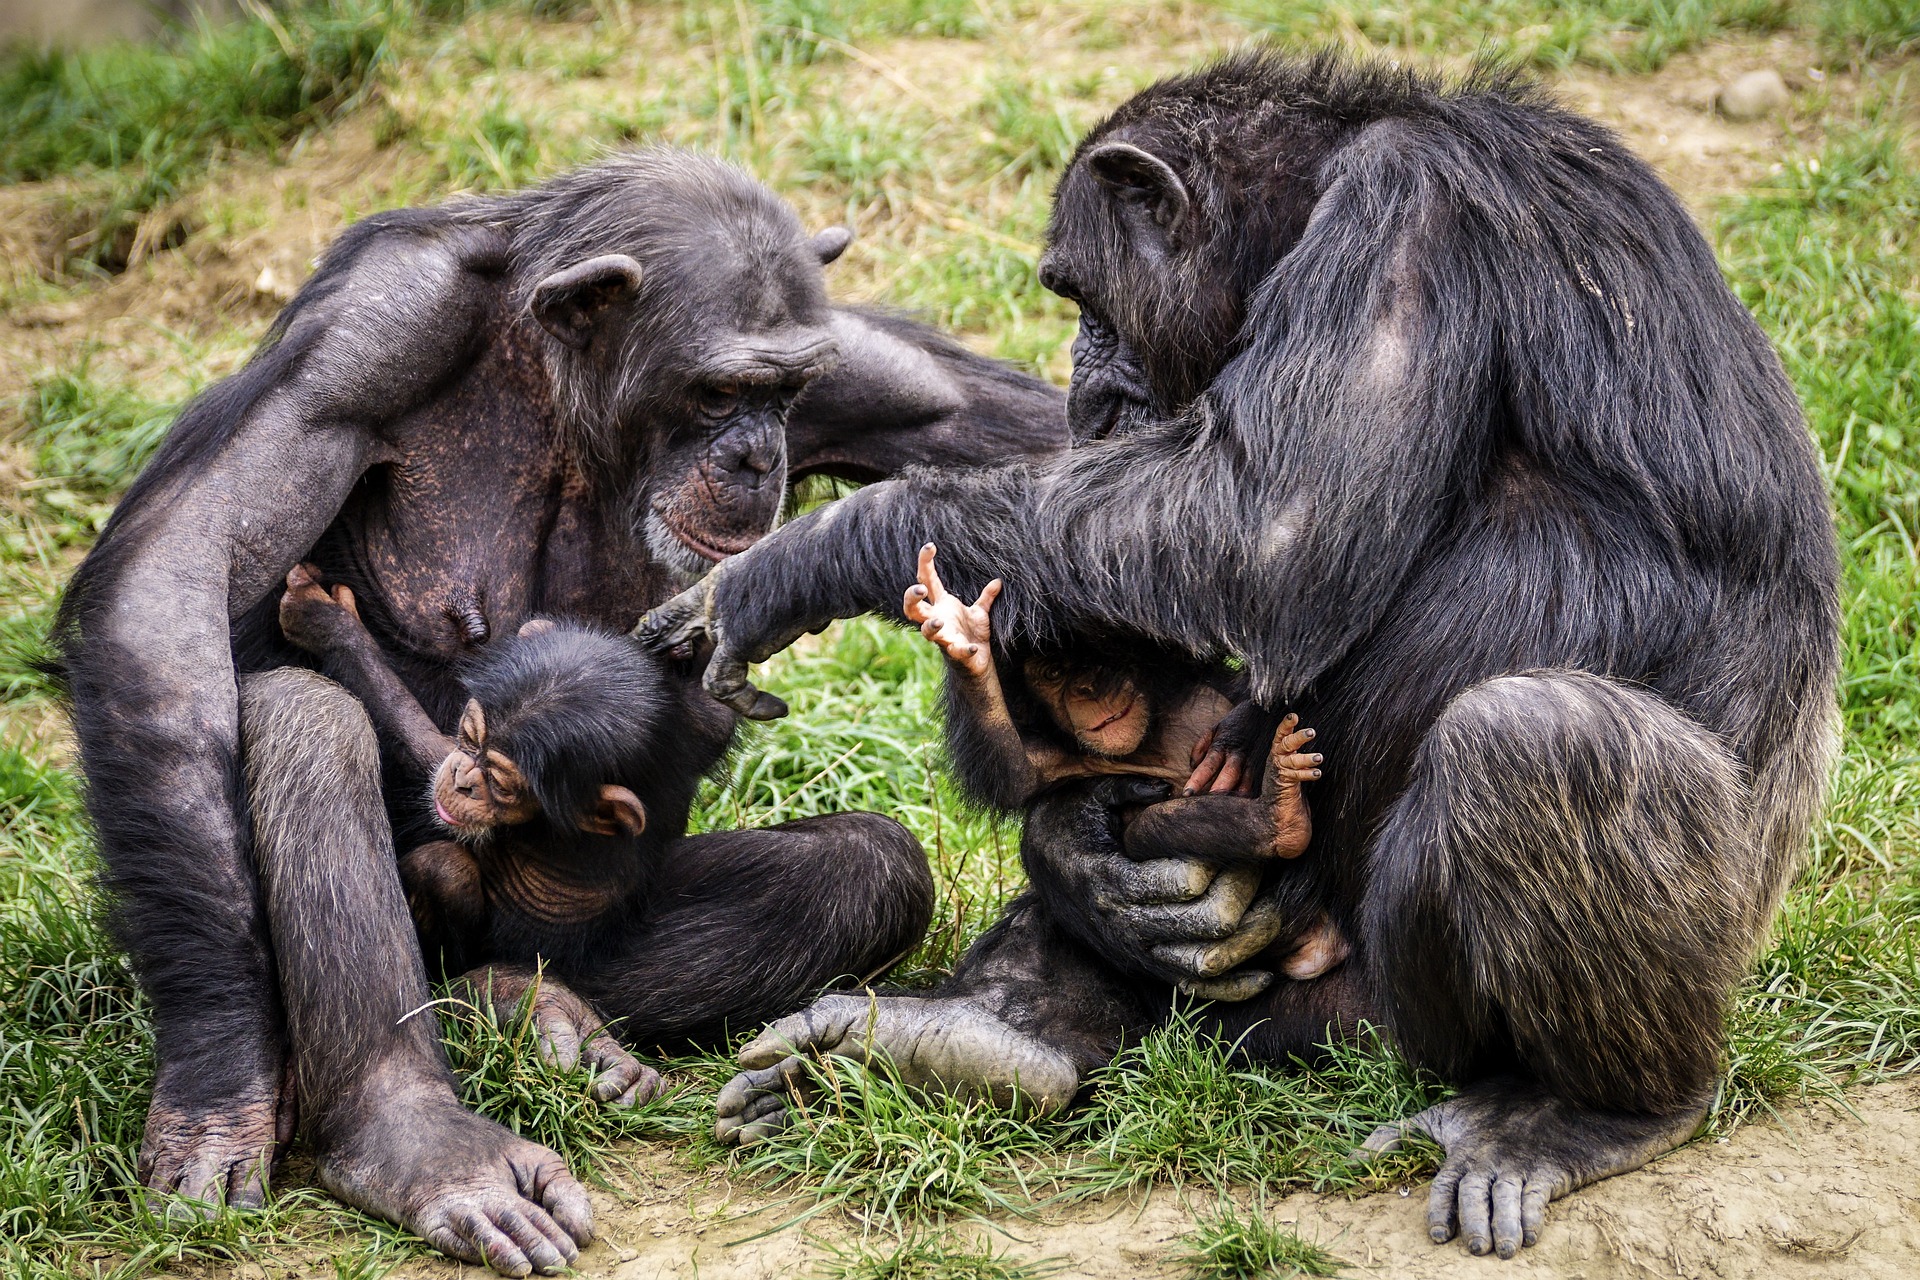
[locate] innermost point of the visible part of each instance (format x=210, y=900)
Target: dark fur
x=408, y=428
x=1437, y=411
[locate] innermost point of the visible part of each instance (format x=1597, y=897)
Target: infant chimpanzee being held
x=1083, y=713
x=573, y=767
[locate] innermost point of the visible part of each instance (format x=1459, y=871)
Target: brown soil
x=1819, y=1193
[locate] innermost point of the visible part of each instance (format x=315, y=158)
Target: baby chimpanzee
x=573, y=767
x=1086, y=714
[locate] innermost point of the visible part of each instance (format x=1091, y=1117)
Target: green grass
x=935, y=1256
x=946, y=174
x=1236, y=1244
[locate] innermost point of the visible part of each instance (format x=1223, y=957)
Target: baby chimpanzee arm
x=992, y=758
x=327, y=624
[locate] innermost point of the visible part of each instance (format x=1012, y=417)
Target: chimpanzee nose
x=749, y=457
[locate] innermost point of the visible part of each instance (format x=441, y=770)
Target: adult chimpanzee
x=565, y=401
x=1431, y=404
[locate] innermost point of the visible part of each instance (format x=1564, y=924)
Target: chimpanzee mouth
x=710, y=550
x=1113, y=719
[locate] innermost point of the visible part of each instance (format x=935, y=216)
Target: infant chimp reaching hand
x=1086, y=714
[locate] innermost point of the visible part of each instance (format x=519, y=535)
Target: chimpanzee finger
x=495, y=1247
x=541, y=1251
x=1533, y=1211
x=247, y=1184
x=1475, y=1208
x=1243, y=984
x=726, y=680
x=1506, y=1214
x=1213, y=916
x=558, y=1042
x=930, y=576
x=760, y=1130
x=645, y=1088
x=455, y=1245
x=343, y=596
x=1231, y=771
x=739, y=1094
x=821, y=1026
x=988, y=594
x=1442, y=1201
x=1160, y=881
x=1260, y=925
x=561, y=1199
x=684, y=618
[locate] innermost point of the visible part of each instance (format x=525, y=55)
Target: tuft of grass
x=1235, y=1244
x=939, y=1256
x=1184, y=1105
x=890, y=1155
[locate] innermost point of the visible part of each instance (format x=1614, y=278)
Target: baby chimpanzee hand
x=958, y=628
x=311, y=616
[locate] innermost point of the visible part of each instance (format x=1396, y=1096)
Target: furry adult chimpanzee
x=564, y=401
x=1430, y=403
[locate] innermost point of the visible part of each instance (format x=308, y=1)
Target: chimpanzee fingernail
x=1318, y=759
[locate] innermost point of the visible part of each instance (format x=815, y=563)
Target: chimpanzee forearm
x=355, y=660
x=904, y=395
x=989, y=757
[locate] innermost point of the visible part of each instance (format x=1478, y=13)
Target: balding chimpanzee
x=1430, y=403
x=567, y=401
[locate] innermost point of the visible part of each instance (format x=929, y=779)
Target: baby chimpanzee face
x=1105, y=710
x=476, y=789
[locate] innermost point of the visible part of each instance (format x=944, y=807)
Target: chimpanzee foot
x=568, y=1031
x=941, y=1045
x=210, y=1152
x=1511, y=1147
x=462, y=1183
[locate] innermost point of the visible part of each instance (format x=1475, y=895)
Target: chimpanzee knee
x=1565, y=890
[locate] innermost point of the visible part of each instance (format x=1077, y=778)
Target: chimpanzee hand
x=1512, y=1147
x=693, y=618
x=960, y=630
x=312, y=617
x=1227, y=757
x=567, y=1029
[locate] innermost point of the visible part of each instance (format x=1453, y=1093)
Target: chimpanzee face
x=683, y=370
x=1107, y=713
x=477, y=789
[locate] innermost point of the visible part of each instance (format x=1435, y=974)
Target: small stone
x=1753, y=96
x=271, y=284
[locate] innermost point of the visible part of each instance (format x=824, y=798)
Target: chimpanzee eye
x=719, y=399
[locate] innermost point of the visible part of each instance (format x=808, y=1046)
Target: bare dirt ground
x=1818, y=1193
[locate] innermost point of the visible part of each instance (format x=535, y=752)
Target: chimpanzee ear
x=1142, y=178
x=473, y=723
x=831, y=243
x=570, y=304
x=618, y=809
x=537, y=626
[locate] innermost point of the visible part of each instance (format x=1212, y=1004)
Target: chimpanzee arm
x=903, y=394
x=326, y=624
x=247, y=480
x=1275, y=520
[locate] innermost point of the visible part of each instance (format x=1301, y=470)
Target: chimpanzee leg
x=749, y=925
x=1028, y=1015
x=1560, y=905
x=375, y=1095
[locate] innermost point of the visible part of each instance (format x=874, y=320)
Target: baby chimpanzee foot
x=942, y=1045
x=1287, y=767
x=462, y=1183
x=1511, y=1147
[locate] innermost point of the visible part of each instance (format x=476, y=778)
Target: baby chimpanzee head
x=563, y=721
x=1106, y=708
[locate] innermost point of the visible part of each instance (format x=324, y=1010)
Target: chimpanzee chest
x=479, y=517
